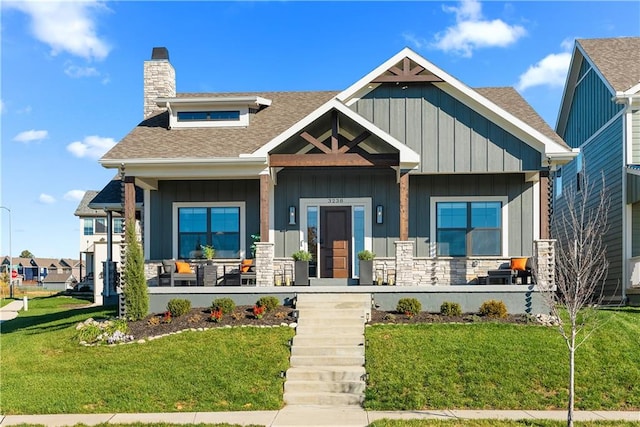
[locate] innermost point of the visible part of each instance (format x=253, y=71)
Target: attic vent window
x=208, y=116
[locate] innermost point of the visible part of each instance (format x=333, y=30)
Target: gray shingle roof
x=618, y=59
x=111, y=195
x=151, y=139
x=510, y=100
x=83, y=208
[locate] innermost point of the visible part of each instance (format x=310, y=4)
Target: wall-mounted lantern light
x=292, y=215
x=379, y=214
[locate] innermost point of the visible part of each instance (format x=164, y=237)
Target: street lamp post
x=10, y=256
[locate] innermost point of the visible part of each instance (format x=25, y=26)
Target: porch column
x=545, y=205
x=404, y=207
x=129, y=198
x=264, y=263
x=544, y=252
x=404, y=263
x=264, y=208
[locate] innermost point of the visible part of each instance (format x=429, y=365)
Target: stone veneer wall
x=159, y=82
x=264, y=263
x=410, y=271
x=545, y=266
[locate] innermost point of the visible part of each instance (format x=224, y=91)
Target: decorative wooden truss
x=336, y=150
x=406, y=74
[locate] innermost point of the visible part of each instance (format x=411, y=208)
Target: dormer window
x=203, y=116
x=232, y=111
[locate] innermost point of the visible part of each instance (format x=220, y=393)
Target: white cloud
x=3, y=107
x=77, y=72
x=549, y=71
x=92, y=147
x=31, y=135
x=46, y=199
x=74, y=195
x=66, y=26
x=473, y=32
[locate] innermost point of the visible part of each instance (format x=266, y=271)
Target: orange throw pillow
x=246, y=265
x=519, y=264
x=183, y=267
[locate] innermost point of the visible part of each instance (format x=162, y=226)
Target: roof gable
x=408, y=158
x=616, y=62
x=540, y=136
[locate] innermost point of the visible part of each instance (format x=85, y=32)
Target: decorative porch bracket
x=404, y=263
x=264, y=263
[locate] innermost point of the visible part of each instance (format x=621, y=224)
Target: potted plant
x=302, y=259
x=209, y=271
x=208, y=252
x=365, y=258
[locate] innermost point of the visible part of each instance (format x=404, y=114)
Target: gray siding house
x=600, y=115
x=442, y=181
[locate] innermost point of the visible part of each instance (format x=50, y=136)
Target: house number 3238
x=335, y=200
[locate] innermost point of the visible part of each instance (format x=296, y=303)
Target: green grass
x=502, y=366
x=495, y=423
x=44, y=370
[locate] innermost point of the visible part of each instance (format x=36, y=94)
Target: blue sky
x=71, y=73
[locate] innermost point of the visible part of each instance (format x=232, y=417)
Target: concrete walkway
x=308, y=416
x=10, y=311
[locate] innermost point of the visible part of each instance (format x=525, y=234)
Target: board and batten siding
x=168, y=192
x=591, y=108
x=382, y=187
x=635, y=137
x=449, y=136
x=602, y=158
x=520, y=195
x=324, y=183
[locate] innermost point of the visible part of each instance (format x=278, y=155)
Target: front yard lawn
x=502, y=366
x=46, y=371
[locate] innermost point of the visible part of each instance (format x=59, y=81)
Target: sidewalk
x=308, y=416
x=10, y=311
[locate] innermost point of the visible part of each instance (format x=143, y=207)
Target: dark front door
x=335, y=241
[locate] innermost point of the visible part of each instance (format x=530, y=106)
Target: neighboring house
x=101, y=235
x=442, y=181
x=36, y=270
x=59, y=281
x=600, y=115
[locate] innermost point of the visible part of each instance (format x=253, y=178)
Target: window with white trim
x=469, y=228
x=218, y=226
x=579, y=172
x=557, y=183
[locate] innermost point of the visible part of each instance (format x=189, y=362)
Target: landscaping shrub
x=269, y=303
x=409, y=306
x=178, y=307
x=136, y=298
x=493, y=308
x=450, y=309
x=225, y=304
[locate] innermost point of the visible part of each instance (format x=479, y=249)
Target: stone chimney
x=159, y=80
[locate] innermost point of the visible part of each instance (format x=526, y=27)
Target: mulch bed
x=153, y=325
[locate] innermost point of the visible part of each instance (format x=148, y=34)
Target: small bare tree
x=581, y=270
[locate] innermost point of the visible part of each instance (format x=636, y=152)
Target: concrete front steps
x=327, y=353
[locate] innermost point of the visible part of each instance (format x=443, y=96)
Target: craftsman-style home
x=443, y=182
